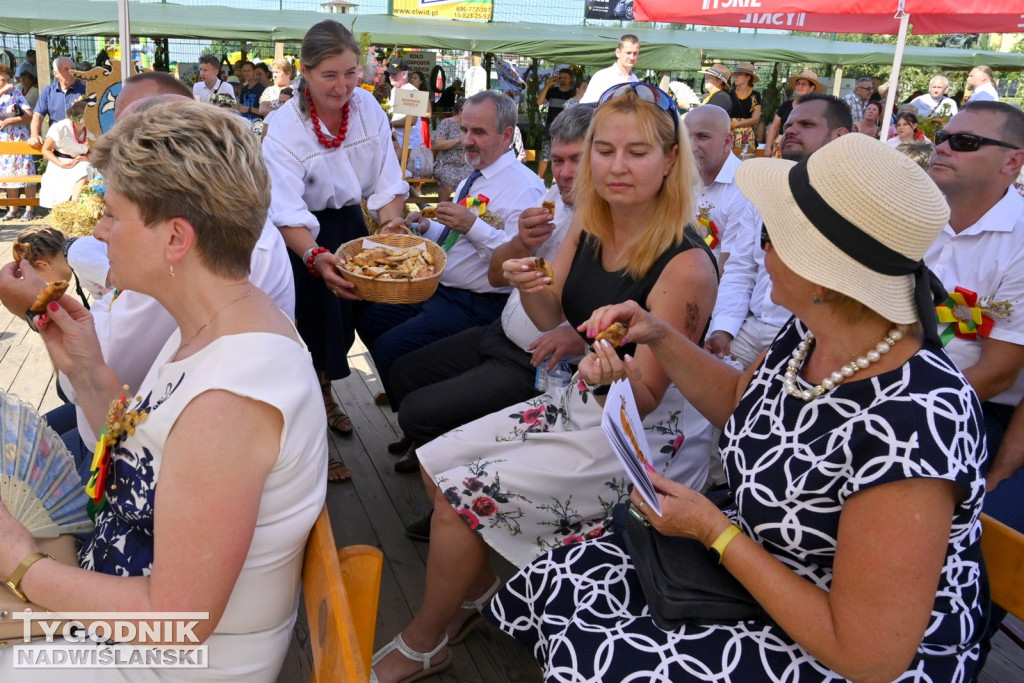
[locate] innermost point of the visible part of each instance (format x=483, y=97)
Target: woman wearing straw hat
x=716, y=84
x=807, y=82
x=853, y=448
x=746, y=107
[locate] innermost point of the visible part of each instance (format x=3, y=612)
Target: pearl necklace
x=336, y=142
x=837, y=377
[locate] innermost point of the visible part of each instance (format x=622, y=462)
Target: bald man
x=146, y=84
x=723, y=212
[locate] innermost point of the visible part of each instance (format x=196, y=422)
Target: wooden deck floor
x=373, y=508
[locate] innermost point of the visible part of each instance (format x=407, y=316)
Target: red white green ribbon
x=962, y=316
x=711, y=231
x=477, y=203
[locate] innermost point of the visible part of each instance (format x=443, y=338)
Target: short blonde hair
x=284, y=65
x=675, y=205
x=163, y=158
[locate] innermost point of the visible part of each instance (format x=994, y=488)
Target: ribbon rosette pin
x=476, y=203
x=710, y=230
x=963, y=316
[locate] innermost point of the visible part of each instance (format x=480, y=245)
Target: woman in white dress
x=541, y=474
x=210, y=498
x=66, y=148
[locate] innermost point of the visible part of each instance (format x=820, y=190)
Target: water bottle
x=540, y=380
x=417, y=167
x=560, y=377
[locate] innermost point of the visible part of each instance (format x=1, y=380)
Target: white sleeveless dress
x=252, y=638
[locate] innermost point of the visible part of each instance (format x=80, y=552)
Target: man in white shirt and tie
x=465, y=297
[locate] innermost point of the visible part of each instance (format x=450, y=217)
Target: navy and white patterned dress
x=792, y=466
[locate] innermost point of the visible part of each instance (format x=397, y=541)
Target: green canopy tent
x=664, y=49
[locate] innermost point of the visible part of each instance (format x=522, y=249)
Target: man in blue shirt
x=55, y=98
x=249, y=98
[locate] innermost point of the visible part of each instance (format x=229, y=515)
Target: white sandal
x=472, y=622
x=409, y=653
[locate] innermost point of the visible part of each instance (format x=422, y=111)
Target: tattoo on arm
x=692, y=319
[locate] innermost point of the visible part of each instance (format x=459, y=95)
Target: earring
x=817, y=302
x=172, y=271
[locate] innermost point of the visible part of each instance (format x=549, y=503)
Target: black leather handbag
x=681, y=582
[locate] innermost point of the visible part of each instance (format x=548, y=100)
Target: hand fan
x=39, y=483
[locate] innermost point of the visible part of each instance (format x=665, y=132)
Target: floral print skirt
x=541, y=474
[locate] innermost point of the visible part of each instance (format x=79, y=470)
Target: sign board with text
x=411, y=102
x=420, y=60
x=465, y=10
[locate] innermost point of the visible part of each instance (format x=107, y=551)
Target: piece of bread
x=550, y=206
x=50, y=292
x=22, y=251
x=613, y=334
x=544, y=267
x=429, y=212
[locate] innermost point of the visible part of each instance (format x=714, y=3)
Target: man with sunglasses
x=977, y=158
x=859, y=98
x=621, y=71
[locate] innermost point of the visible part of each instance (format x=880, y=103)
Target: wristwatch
x=14, y=581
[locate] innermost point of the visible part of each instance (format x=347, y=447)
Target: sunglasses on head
x=646, y=92
x=968, y=142
x=765, y=239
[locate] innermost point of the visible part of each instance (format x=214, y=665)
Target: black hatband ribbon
x=866, y=250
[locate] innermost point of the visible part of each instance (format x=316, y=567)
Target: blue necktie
x=463, y=193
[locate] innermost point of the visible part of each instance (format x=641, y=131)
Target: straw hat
x=807, y=75
x=906, y=214
x=717, y=70
x=747, y=68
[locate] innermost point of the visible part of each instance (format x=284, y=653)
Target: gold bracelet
x=717, y=549
x=14, y=582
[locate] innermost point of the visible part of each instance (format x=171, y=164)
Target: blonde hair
x=165, y=170
x=284, y=65
x=675, y=205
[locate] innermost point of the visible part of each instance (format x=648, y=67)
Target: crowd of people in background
x=771, y=304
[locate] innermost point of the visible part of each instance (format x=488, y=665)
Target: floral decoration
x=967, y=317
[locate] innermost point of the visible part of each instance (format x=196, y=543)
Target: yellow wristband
x=717, y=548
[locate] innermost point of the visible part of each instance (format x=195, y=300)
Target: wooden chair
x=19, y=149
x=341, y=588
x=1003, y=549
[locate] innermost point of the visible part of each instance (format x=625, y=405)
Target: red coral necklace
x=85, y=133
x=342, y=130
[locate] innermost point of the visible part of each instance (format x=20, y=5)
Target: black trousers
x=325, y=322
x=458, y=379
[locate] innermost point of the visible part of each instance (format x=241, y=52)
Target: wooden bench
x=342, y=589
x=19, y=149
x=1003, y=549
